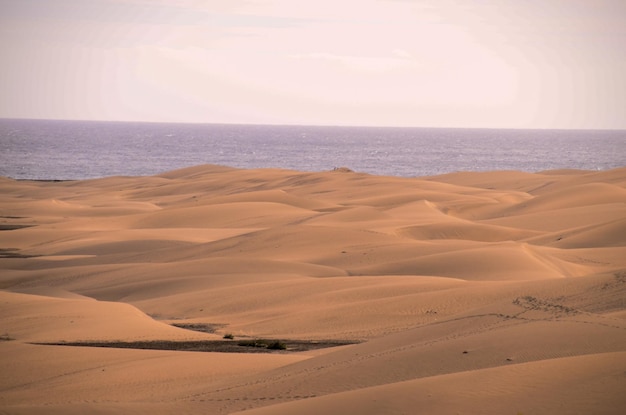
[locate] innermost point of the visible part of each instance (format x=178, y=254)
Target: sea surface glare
x=63, y=150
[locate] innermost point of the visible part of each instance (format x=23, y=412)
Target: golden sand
x=499, y=292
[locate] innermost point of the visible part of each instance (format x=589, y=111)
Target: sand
x=495, y=292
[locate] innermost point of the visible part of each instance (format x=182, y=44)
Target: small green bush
x=277, y=345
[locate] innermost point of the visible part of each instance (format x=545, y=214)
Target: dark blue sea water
x=44, y=149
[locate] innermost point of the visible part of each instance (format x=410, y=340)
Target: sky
x=429, y=63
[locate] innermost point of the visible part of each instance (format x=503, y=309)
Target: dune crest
x=507, y=285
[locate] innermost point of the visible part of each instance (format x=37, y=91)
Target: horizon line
x=321, y=125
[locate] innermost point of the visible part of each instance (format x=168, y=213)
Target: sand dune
x=580, y=382
x=493, y=292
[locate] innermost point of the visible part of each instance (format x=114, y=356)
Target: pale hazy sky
x=444, y=63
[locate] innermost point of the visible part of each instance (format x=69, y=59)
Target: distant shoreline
x=341, y=169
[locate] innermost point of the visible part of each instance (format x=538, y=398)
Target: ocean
x=67, y=150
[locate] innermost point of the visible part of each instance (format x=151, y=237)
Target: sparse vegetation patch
x=261, y=343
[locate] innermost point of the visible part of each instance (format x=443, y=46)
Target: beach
x=469, y=292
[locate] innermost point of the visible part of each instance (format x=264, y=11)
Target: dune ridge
x=491, y=292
